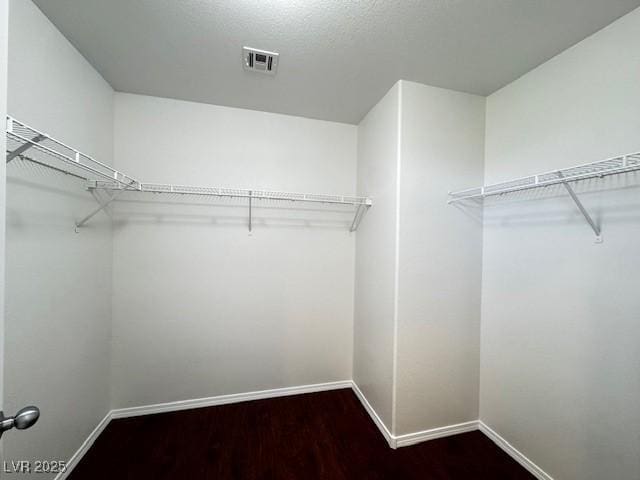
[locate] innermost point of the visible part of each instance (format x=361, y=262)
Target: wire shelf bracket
x=359, y=215
x=101, y=206
x=250, y=211
x=611, y=166
x=23, y=148
x=31, y=145
x=596, y=228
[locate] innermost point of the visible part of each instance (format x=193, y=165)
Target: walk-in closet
x=322, y=239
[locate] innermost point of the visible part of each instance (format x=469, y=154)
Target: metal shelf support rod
x=360, y=211
x=101, y=207
x=583, y=211
x=250, y=219
x=23, y=148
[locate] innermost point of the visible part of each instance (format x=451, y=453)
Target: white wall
x=560, y=314
x=440, y=263
x=4, y=41
x=58, y=305
x=201, y=307
x=376, y=256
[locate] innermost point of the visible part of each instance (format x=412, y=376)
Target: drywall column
x=560, y=314
x=376, y=256
x=440, y=259
x=418, y=261
x=58, y=283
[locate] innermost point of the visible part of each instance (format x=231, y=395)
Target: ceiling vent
x=260, y=60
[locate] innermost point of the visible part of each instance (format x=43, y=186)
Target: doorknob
x=25, y=418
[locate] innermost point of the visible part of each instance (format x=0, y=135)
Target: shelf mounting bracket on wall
x=596, y=229
x=20, y=150
x=99, y=200
x=26, y=146
x=103, y=205
x=357, y=218
x=250, y=212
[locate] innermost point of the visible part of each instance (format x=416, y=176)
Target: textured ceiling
x=338, y=57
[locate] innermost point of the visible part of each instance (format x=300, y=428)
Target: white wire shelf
x=31, y=145
x=235, y=193
x=611, y=166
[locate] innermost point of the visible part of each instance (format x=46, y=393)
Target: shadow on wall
x=166, y=210
x=38, y=198
x=29, y=174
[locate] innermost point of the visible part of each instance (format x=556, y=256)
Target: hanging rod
x=611, y=166
x=29, y=144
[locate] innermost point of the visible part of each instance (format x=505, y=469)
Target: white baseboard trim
x=195, y=403
x=433, y=433
x=393, y=440
x=226, y=399
x=397, y=441
x=84, y=448
x=518, y=456
x=374, y=416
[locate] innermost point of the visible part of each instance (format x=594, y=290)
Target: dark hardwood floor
x=325, y=435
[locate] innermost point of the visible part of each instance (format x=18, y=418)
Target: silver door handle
x=25, y=418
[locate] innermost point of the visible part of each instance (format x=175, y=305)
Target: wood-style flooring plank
x=326, y=435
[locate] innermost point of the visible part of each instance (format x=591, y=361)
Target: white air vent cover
x=260, y=60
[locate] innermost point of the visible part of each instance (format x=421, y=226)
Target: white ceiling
x=338, y=57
